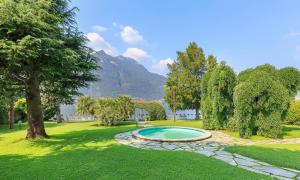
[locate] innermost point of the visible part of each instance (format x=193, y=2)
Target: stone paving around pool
x=214, y=149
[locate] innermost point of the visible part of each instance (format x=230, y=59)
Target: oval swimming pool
x=172, y=134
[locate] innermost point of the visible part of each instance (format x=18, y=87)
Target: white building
x=298, y=95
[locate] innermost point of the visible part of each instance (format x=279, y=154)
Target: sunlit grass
x=86, y=151
x=285, y=155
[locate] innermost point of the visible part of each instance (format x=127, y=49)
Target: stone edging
x=212, y=149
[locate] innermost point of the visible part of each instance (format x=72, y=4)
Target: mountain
x=121, y=75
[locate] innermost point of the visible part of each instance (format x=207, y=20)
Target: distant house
x=298, y=95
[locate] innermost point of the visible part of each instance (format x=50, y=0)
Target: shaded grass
x=85, y=151
x=288, y=132
x=284, y=155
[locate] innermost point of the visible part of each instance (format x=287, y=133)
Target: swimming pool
x=172, y=134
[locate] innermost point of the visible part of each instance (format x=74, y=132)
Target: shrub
x=154, y=108
x=126, y=107
x=293, y=115
x=260, y=102
x=110, y=111
x=20, y=110
x=232, y=125
x=106, y=111
x=217, y=99
x=84, y=105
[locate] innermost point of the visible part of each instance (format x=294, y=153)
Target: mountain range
x=121, y=75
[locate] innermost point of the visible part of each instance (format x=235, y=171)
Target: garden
x=246, y=126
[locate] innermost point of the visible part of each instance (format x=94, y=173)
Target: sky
x=242, y=33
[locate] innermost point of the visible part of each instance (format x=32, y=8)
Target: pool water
x=171, y=133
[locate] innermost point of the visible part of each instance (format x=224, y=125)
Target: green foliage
x=3, y=110
x=20, y=110
x=185, y=76
x=154, y=108
x=232, y=125
x=85, y=105
x=293, y=115
x=211, y=62
x=290, y=78
x=260, y=102
x=42, y=47
x=126, y=107
x=111, y=111
x=217, y=96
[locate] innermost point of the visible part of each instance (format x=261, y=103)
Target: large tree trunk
x=36, y=127
x=11, y=115
x=197, y=114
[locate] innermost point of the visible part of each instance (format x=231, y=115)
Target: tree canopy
x=185, y=77
x=40, y=44
x=217, y=96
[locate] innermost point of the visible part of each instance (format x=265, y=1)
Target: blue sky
x=243, y=33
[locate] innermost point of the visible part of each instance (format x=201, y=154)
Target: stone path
x=221, y=137
x=214, y=149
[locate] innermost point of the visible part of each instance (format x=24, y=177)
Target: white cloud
x=136, y=53
x=293, y=34
x=97, y=42
x=130, y=35
x=298, y=48
x=162, y=65
x=99, y=28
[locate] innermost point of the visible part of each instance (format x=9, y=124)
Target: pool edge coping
x=206, y=135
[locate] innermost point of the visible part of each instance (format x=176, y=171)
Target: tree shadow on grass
x=96, y=138
x=4, y=127
x=119, y=162
x=287, y=129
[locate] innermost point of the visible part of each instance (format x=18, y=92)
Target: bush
x=260, y=103
x=111, y=111
x=20, y=110
x=217, y=96
x=293, y=115
x=154, y=108
x=232, y=125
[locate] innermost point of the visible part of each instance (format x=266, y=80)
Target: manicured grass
x=86, y=151
x=288, y=132
x=185, y=123
x=284, y=155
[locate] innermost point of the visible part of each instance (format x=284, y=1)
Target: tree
x=217, y=96
x=40, y=42
x=290, y=78
x=260, y=103
x=211, y=62
x=85, y=105
x=185, y=76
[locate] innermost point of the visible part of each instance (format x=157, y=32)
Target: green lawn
x=285, y=155
x=85, y=151
x=288, y=132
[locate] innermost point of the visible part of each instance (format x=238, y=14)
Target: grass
x=86, y=151
x=288, y=132
x=284, y=155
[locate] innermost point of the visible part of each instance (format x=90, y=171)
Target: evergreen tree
x=185, y=77
x=40, y=42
